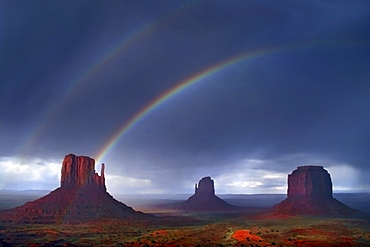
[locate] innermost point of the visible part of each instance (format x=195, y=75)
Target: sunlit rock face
x=79, y=171
x=204, y=198
x=310, y=193
x=82, y=196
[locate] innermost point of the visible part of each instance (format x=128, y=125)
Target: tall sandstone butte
x=79, y=171
x=82, y=196
x=310, y=182
x=310, y=193
x=206, y=187
x=204, y=198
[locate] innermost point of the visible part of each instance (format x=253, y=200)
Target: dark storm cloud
x=74, y=72
x=290, y=110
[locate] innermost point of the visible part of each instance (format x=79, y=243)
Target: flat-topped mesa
x=206, y=187
x=79, y=171
x=310, y=182
x=310, y=193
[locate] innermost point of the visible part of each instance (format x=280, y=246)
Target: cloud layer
x=75, y=73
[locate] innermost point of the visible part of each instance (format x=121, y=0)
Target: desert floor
x=246, y=227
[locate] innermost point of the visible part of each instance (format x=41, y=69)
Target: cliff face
x=310, y=182
x=79, y=171
x=310, y=193
x=81, y=197
x=206, y=187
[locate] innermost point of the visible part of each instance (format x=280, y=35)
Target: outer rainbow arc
x=175, y=90
x=92, y=70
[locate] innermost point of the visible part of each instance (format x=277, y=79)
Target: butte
x=310, y=193
x=82, y=196
x=204, y=198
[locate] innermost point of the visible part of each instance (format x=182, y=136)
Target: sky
x=167, y=92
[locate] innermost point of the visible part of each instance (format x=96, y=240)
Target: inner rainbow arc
x=179, y=87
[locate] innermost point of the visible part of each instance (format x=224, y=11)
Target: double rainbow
x=99, y=63
x=175, y=90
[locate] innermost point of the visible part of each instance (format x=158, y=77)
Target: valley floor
x=247, y=227
x=197, y=229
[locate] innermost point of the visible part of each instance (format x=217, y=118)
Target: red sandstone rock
x=310, y=182
x=310, y=193
x=79, y=171
x=204, y=198
x=82, y=196
x=206, y=187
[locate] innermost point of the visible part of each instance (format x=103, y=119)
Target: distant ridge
x=24, y=192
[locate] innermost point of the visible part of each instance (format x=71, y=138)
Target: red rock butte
x=310, y=182
x=310, y=193
x=82, y=196
x=79, y=171
x=204, y=198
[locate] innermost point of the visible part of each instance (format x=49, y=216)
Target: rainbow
x=179, y=87
x=78, y=83
x=94, y=68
